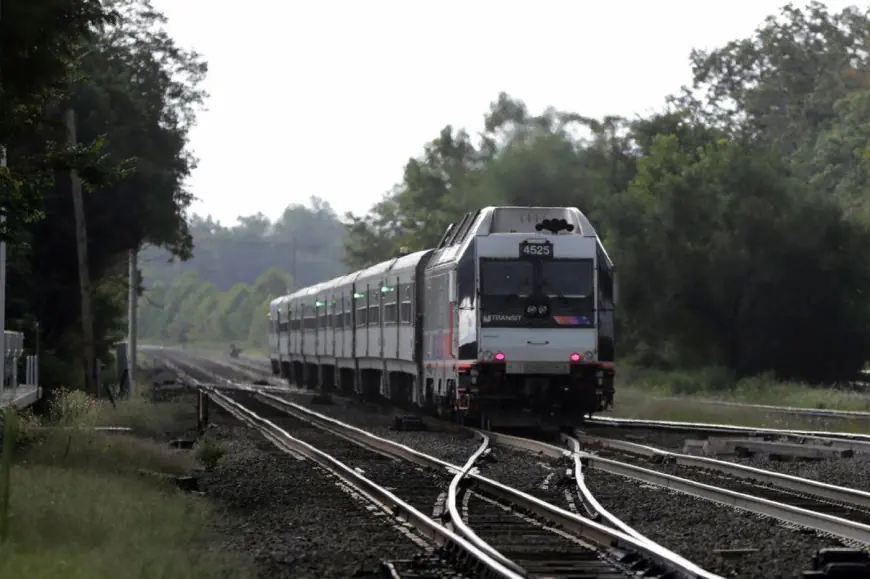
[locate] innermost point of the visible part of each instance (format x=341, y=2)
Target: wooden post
x=201, y=412
x=84, y=273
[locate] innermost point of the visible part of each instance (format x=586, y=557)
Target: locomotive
x=508, y=321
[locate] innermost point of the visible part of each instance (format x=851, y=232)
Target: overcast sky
x=331, y=98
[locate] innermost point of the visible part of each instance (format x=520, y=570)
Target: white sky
x=331, y=97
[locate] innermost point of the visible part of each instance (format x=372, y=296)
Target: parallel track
x=807, y=501
x=846, y=530
x=495, y=517
x=419, y=487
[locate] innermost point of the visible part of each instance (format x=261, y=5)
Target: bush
x=208, y=452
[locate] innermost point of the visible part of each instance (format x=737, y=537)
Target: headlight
x=590, y=355
x=486, y=355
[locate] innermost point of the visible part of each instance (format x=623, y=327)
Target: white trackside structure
x=509, y=319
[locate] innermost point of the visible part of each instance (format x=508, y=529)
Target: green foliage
x=737, y=217
x=41, y=44
x=191, y=310
x=10, y=433
x=306, y=242
x=208, y=452
x=135, y=94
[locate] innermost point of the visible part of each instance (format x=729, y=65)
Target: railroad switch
x=840, y=563
x=488, y=456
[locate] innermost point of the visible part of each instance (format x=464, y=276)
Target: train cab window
x=462, y=234
x=406, y=307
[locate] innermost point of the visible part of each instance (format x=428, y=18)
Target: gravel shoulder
x=846, y=472
x=290, y=516
x=696, y=529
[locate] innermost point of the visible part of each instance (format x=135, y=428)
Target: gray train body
x=509, y=320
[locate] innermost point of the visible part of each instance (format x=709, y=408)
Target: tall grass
x=721, y=384
x=81, y=508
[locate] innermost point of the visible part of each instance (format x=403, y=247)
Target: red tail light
x=575, y=357
x=499, y=357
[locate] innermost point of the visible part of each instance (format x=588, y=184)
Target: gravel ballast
x=846, y=472
x=695, y=528
x=692, y=527
x=290, y=516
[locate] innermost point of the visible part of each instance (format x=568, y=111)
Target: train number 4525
x=536, y=249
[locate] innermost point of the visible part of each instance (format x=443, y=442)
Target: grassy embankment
x=82, y=506
x=687, y=396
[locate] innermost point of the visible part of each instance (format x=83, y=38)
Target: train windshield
x=504, y=277
x=567, y=277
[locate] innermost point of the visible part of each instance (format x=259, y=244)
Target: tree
x=135, y=93
x=41, y=44
x=305, y=238
x=737, y=216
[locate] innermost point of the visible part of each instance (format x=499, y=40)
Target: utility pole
x=84, y=273
x=3, y=281
x=3, y=289
x=132, y=315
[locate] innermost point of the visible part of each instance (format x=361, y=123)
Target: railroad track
x=505, y=531
x=835, y=511
x=529, y=545
x=475, y=505
x=616, y=424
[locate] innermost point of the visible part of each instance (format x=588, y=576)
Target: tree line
x=191, y=310
x=134, y=94
x=221, y=295
x=306, y=241
x=738, y=215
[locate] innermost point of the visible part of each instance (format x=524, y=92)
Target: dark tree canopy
x=135, y=94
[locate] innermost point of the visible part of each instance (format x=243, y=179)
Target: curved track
x=508, y=529
x=525, y=544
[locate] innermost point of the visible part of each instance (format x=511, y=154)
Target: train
x=508, y=321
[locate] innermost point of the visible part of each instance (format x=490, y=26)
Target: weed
x=208, y=452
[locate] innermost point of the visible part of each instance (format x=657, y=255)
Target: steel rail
x=795, y=515
x=374, y=493
x=789, y=482
x=456, y=517
x=610, y=421
x=592, y=504
x=597, y=533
